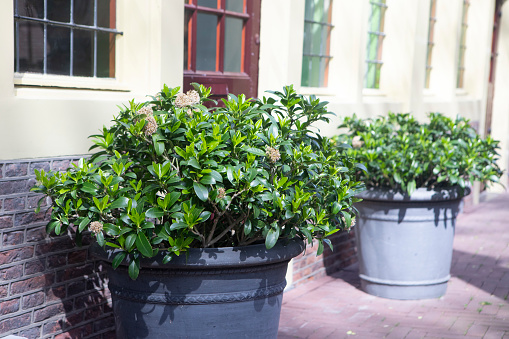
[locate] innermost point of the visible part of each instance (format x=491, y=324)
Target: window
x=65, y=37
x=316, y=50
x=431, y=29
x=221, y=40
x=374, y=48
x=462, y=45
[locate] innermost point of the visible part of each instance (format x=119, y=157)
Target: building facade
x=67, y=64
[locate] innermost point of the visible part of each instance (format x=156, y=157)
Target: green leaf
x=255, y=151
x=201, y=191
x=118, y=259
x=361, y=166
x=272, y=237
x=194, y=163
x=121, y=202
x=178, y=225
x=335, y=208
x=111, y=229
x=208, y=180
x=143, y=245
x=89, y=188
x=134, y=269
x=100, y=239
x=154, y=212
x=247, y=227
x=411, y=187
x=205, y=215
x=320, y=248
x=84, y=223
x=129, y=241
x=216, y=175
x=159, y=147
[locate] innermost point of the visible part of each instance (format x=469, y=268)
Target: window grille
x=215, y=35
x=374, y=48
x=65, y=37
x=316, y=49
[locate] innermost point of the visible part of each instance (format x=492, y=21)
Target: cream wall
x=500, y=122
x=46, y=116
x=404, y=56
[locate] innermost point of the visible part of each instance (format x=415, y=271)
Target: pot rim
x=206, y=258
x=421, y=194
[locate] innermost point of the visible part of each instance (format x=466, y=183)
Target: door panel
x=221, y=45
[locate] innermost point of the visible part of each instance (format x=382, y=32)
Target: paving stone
x=476, y=304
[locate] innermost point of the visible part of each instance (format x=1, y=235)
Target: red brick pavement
x=476, y=304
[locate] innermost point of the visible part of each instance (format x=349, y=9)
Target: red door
x=221, y=45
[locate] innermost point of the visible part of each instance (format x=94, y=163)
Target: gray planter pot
x=405, y=243
x=213, y=293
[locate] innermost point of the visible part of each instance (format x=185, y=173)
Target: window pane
x=235, y=6
x=105, y=55
x=233, y=44
x=305, y=71
x=316, y=40
x=206, y=37
x=59, y=10
x=31, y=8
x=208, y=3
x=314, y=79
x=83, y=57
x=58, y=50
x=307, y=38
x=318, y=14
x=31, y=47
x=106, y=13
x=372, y=47
x=84, y=12
x=370, y=76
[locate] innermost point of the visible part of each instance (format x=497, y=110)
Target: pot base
x=404, y=292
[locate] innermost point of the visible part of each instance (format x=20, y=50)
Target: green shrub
x=170, y=174
x=402, y=154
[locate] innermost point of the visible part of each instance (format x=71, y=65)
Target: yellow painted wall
x=44, y=116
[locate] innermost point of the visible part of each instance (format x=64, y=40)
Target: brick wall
x=49, y=288
x=309, y=266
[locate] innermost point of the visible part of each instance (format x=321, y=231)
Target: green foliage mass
x=402, y=154
x=168, y=176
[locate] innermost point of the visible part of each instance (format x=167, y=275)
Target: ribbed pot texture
x=404, y=243
x=213, y=293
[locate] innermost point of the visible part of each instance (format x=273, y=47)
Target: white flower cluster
x=273, y=154
x=151, y=124
x=187, y=99
x=357, y=142
x=221, y=193
x=96, y=227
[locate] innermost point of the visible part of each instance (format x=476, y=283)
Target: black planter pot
x=404, y=243
x=233, y=292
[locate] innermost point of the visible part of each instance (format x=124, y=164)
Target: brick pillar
x=49, y=287
x=309, y=266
